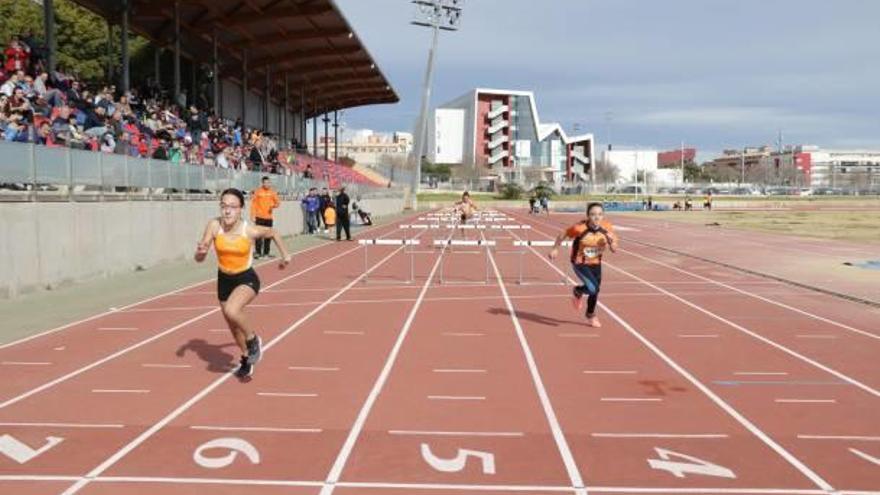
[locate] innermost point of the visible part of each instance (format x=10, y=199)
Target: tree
x=511, y=190
x=606, y=172
x=81, y=36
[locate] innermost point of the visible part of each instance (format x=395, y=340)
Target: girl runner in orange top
x=589, y=237
x=237, y=282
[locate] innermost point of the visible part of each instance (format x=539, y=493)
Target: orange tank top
x=234, y=251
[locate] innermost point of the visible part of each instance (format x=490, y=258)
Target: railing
x=31, y=172
x=497, y=111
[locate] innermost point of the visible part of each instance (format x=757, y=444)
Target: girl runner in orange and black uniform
x=590, y=238
x=237, y=282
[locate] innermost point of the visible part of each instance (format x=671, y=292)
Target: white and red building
x=498, y=132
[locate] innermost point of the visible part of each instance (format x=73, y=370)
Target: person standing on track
x=263, y=201
x=707, y=201
x=237, y=282
x=343, y=217
x=589, y=237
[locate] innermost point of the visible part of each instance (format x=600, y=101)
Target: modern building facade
x=498, y=132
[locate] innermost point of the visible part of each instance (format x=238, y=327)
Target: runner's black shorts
x=227, y=283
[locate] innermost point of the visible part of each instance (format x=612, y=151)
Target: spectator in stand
x=307, y=173
x=16, y=56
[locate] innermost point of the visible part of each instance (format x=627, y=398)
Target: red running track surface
x=702, y=380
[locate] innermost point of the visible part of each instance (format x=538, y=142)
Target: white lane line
x=311, y=368
x=153, y=298
x=758, y=296
x=463, y=334
x=725, y=491
x=736, y=415
x=64, y=425
x=285, y=394
x=457, y=397
x=852, y=381
x=259, y=429
x=335, y=472
x=453, y=487
x=760, y=373
x=815, y=336
x=118, y=329
x=149, y=432
x=579, y=335
x=867, y=457
x=457, y=370
x=26, y=363
x=610, y=372
x=341, y=332
x=160, y=365
x=631, y=399
x=571, y=467
x=458, y=433
x=805, y=401
x=698, y=335
x=119, y=391
x=840, y=437
x=660, y=435
x=59, y=348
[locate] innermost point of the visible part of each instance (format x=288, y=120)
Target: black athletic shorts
x=464, y=218
x=227, y=283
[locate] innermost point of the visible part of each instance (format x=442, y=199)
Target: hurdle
x=486, y=244
x=521, y=279
x=366, y=243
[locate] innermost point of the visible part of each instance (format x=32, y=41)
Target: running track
x=703, y=380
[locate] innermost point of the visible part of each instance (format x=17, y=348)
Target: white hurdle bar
x=521, y=280
x=366, y=243
x=481, y=243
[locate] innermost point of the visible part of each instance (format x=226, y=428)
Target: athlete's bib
x=591, y=252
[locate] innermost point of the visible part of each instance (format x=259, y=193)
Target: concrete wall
x=48, y=244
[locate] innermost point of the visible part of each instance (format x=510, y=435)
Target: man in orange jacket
x=263, y=200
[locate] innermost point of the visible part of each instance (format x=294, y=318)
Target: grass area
x=42, y=310
x=835, y=225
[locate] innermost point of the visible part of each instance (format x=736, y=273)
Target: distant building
x=805, y=166
x=673, y=158
x=628, y=162
x=498, y=133
x=370, y=149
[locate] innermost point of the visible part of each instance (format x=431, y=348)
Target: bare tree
x=606, y=172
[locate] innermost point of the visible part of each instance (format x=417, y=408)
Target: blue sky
x=712, y=73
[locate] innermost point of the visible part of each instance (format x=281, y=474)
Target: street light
x=438, y=15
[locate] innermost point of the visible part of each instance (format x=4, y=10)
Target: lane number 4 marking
x=680, y=464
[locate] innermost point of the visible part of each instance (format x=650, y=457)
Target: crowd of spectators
x=59, y=109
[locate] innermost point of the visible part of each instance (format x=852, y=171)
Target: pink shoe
x=594, y=322
x=577, y=302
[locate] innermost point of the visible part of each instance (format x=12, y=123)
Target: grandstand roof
x=309, y=40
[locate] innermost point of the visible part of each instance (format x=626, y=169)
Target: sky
x=713, y=74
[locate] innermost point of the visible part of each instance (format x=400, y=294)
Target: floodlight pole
x=438, y=11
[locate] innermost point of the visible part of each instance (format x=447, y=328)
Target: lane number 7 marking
x=458, y=463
